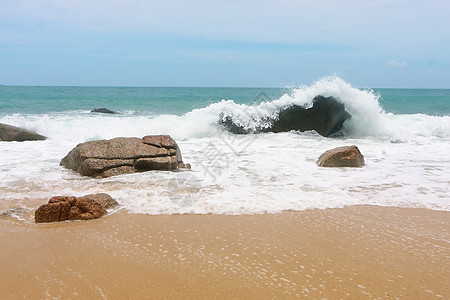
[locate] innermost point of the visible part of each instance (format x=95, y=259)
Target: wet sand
x=352, y=253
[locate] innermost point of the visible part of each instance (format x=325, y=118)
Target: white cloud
x=397, y=64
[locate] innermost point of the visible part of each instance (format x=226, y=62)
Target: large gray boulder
x=10, y=133
x=106, y=158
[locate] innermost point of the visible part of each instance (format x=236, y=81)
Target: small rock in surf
x=63, y=208
x=348, y=156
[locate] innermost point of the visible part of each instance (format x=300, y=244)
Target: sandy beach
x=351, y=253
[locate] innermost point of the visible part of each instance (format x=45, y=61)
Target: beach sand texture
x=355, y=252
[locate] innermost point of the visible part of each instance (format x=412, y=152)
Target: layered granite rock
x=10, y=133
x=106, y=158
x=348, y=156
x=63, y=208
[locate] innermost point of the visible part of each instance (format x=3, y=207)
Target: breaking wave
x=368, y=117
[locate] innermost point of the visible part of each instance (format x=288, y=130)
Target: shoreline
x=352, y=252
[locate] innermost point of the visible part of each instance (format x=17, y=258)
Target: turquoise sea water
x=179, y=100
x=404, y=135
x=156, y=100
x=433, y=102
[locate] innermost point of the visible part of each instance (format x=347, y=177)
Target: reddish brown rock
x=57, y=199
x=105, y=158
x=62, y=208
x=55, y=211
x=86, y=216
x=88, y=205
x=74, y=213
x=348, y=156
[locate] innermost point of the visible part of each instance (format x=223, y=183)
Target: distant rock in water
x=10, y=133
x=348, y=156
x=326, y=117
x=103, y=110
x=106, y=158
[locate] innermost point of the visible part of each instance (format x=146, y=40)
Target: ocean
x=402, y=133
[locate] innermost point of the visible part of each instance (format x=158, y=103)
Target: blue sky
x=382, y=43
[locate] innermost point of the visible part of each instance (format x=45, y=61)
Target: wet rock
x=63, y=208
x=348, y=156
x=326, y=117
x=104, y=199
x=86, y=216
x=74, y=213
x=89, y=205
x=10, y=133
x=56, y=210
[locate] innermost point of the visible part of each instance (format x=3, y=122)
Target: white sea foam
x=368, y=118
x=406, y=159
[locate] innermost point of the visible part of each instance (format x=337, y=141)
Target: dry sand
x=352, y=253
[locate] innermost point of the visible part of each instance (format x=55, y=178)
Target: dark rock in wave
x=106, y=158
x=10, y=133
x=103, y=110
x=326, y=117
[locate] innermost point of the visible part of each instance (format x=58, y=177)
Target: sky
x=247, y=43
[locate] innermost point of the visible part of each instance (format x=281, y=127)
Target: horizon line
x=212, y=87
